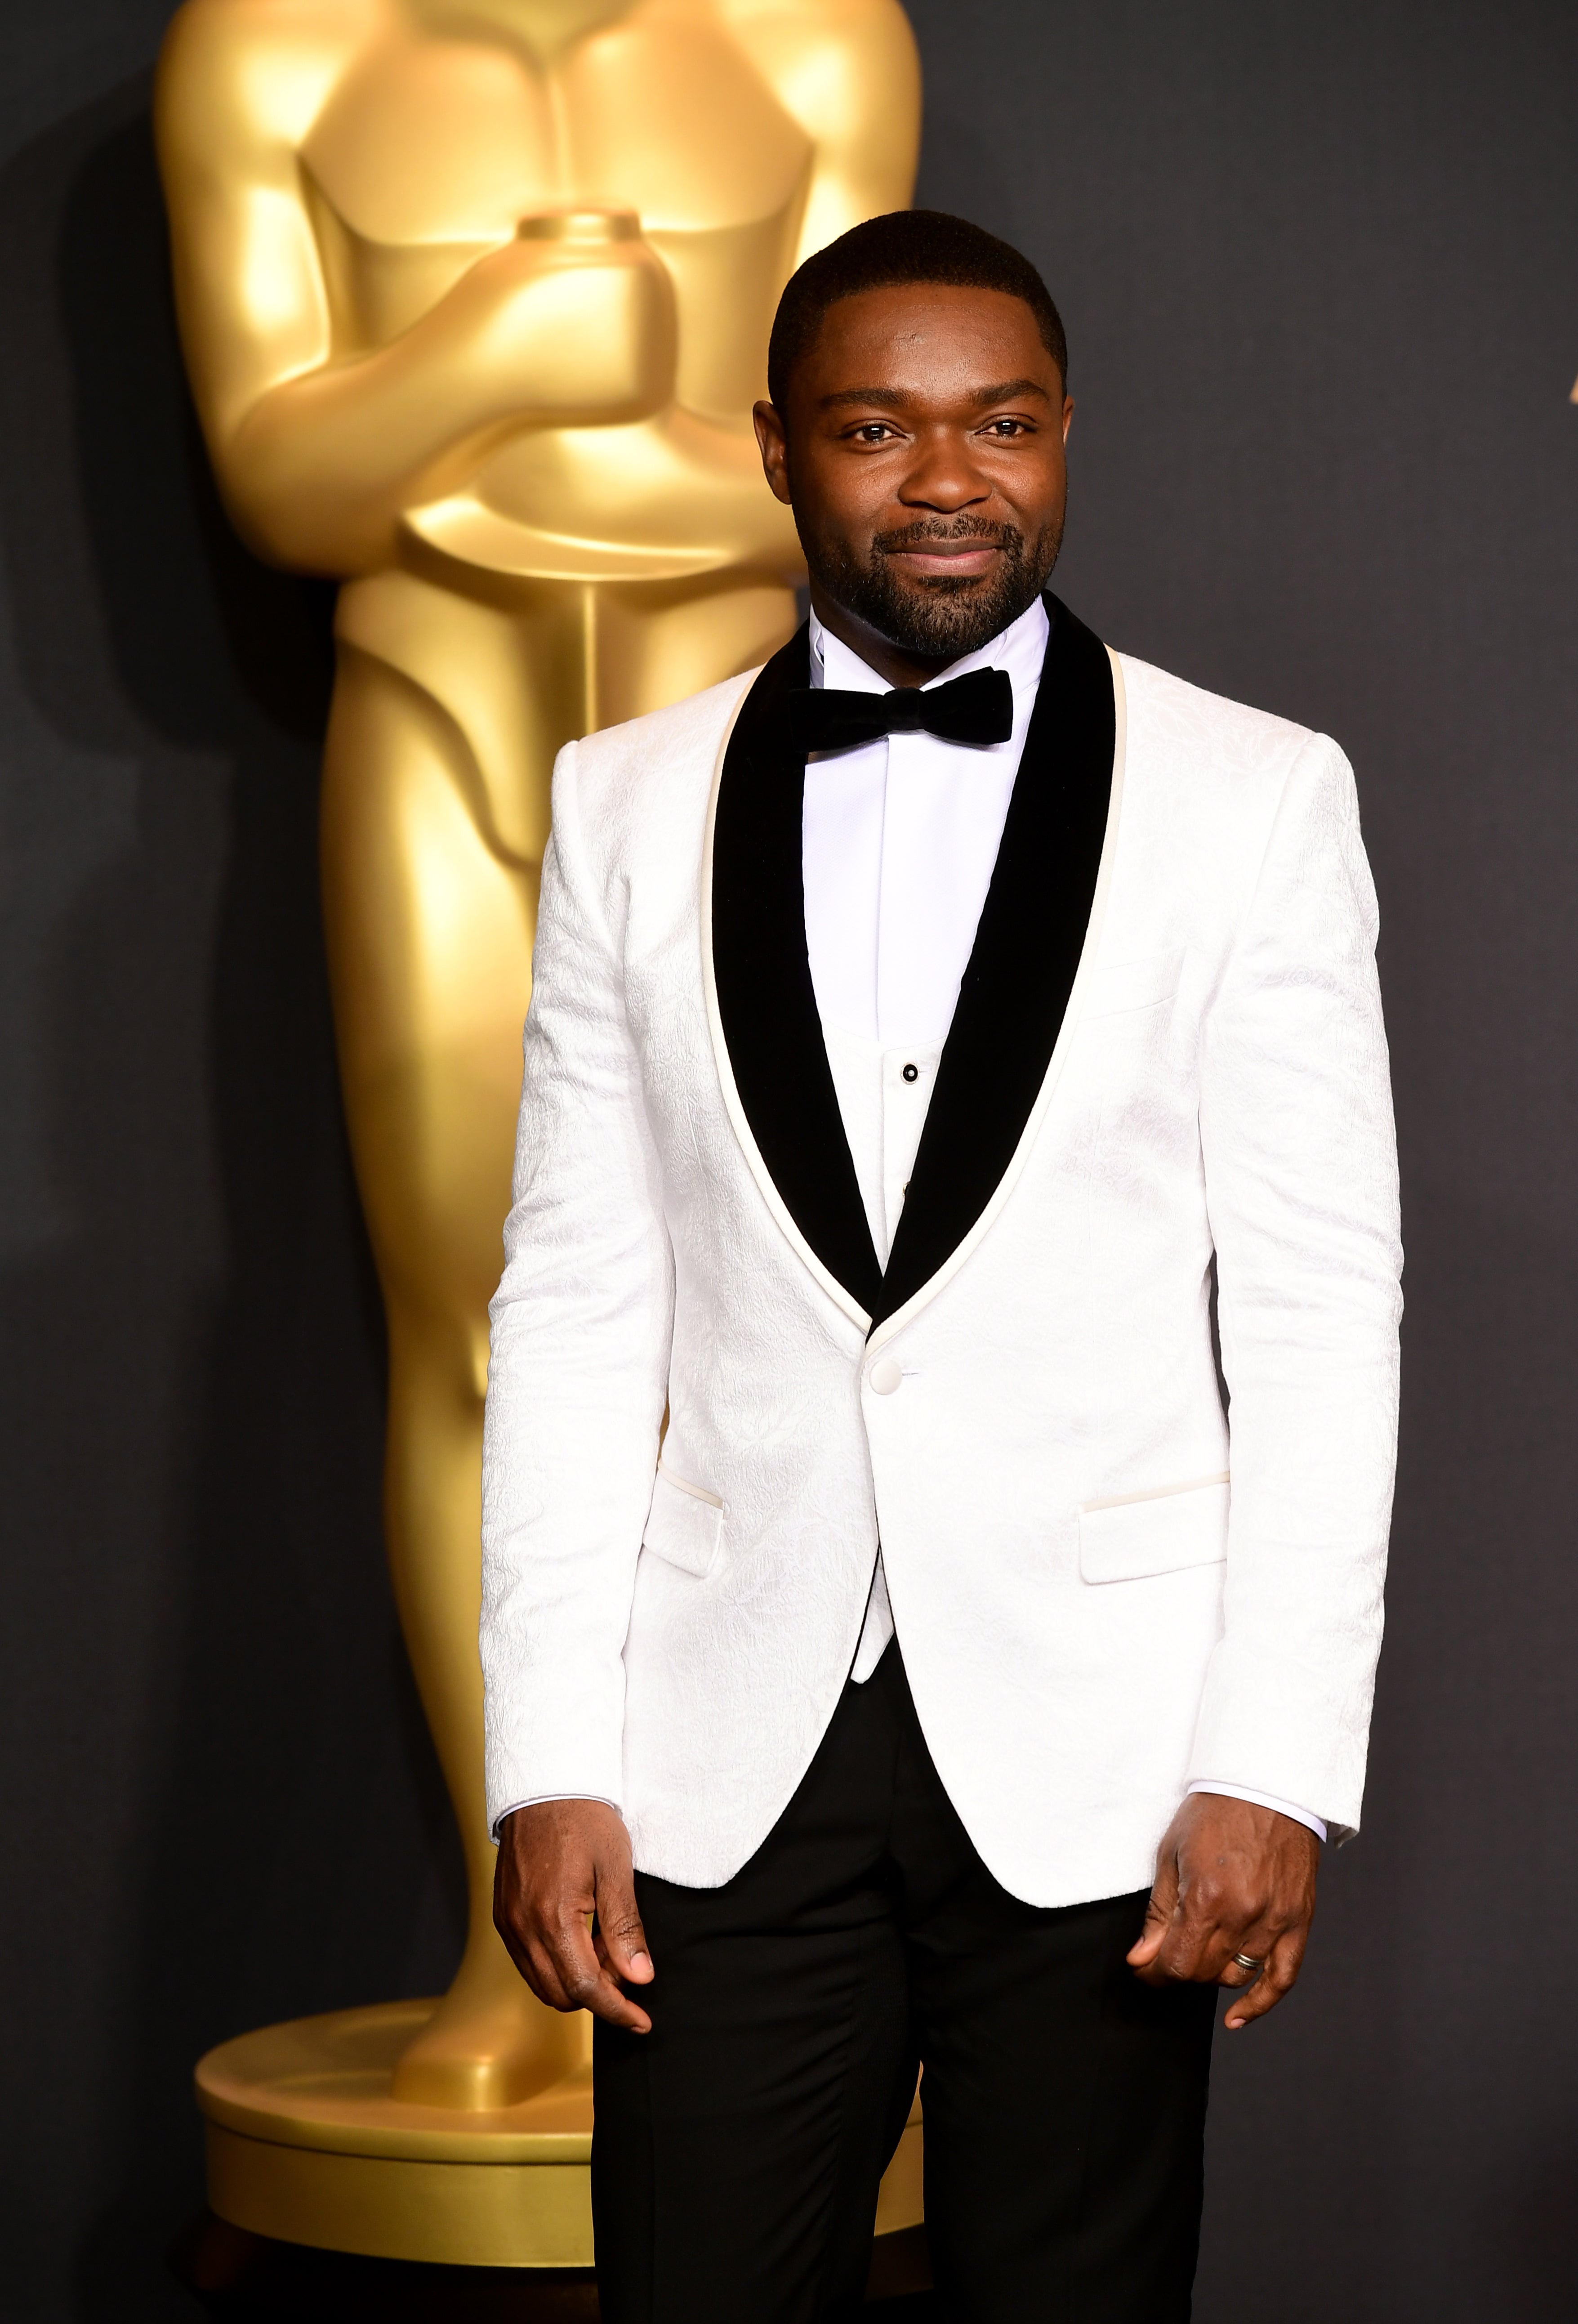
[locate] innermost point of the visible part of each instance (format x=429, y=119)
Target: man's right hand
x=559, y=1862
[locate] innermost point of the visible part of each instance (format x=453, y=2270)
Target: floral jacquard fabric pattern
x=1102, y=1589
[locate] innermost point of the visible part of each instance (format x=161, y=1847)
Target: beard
x=936, y=615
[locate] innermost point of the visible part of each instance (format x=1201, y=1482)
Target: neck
x=895, y=663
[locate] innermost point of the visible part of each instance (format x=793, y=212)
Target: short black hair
x=904, y=246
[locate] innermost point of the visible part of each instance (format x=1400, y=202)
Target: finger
x=610, y=2002
x=1256, y=1935
x=1161, y=1906
x=605, y=1958
x=1210, y=1933
x=1192, y=1953
x=1274, y=1983
x=586, y=1983
x=1255, y=1940
x=536, y=1951
x=622, y=1941
x=535, y=1965
x=567, y=1940
x=1195, y=1946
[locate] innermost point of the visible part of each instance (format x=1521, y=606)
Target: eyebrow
x=892, y=399
x=1008, y=392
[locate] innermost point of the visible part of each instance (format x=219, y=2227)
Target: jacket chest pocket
x=684, y=1525
x=1142, y=1533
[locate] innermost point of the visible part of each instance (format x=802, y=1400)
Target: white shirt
x=899, y=839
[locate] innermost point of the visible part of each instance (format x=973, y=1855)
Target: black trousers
x=739, y=2145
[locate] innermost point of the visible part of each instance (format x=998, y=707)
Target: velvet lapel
x=766, y=1004
x=1015, y=990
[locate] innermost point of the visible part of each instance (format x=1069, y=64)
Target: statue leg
x=446, y=716
x=430, y=952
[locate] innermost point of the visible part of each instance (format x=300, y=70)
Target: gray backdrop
x=1320, y=273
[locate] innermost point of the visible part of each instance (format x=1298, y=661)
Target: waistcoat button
x=884, y=1375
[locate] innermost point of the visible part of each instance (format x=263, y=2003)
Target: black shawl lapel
x=766, y=1002
x=1015, y=990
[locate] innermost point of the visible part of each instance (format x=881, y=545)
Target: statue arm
x=848, y=72
x=319, y=454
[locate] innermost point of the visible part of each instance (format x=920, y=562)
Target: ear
x=1067, y=415
x=775, y=448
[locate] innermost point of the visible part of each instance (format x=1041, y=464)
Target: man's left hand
x=1231, y=1877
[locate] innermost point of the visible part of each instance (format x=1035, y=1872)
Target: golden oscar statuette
x=475, y=297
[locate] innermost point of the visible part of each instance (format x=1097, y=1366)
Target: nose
x=943, y=476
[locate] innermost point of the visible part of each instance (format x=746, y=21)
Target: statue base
x=305, y=2145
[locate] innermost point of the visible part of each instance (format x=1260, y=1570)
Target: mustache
x=939, y=528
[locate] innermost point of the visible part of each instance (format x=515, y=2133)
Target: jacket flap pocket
x=1161, y=1532
x=684, y=1523
x=1128, y=985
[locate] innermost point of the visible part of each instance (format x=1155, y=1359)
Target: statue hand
x=567, y=329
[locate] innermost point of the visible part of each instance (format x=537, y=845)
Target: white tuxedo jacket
x=1168, y=1048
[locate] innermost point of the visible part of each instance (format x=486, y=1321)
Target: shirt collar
x=1020, y=650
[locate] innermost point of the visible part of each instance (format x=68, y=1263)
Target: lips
x=948, y=565
x=949, y=556
x=935, y=554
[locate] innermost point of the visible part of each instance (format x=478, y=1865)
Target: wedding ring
x=1248, y=1961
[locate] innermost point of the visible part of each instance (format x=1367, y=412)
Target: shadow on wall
x=227, y=1807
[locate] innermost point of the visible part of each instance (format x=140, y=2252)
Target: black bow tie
x=977, y=709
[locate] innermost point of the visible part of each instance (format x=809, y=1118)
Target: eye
x=1006, y=427
x=872, y=431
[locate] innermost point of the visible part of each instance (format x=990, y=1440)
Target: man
x=919, y=1024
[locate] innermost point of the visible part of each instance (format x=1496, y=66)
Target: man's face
x=922, y=455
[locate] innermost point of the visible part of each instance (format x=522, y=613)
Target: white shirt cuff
x=541, y=1798
x=1264, y=1800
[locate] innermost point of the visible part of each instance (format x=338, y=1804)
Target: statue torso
x=431, y=148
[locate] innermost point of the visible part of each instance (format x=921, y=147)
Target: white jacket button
x=884, y=1375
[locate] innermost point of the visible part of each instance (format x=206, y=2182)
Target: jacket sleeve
x=1301, y=1186
x=579, y=1361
